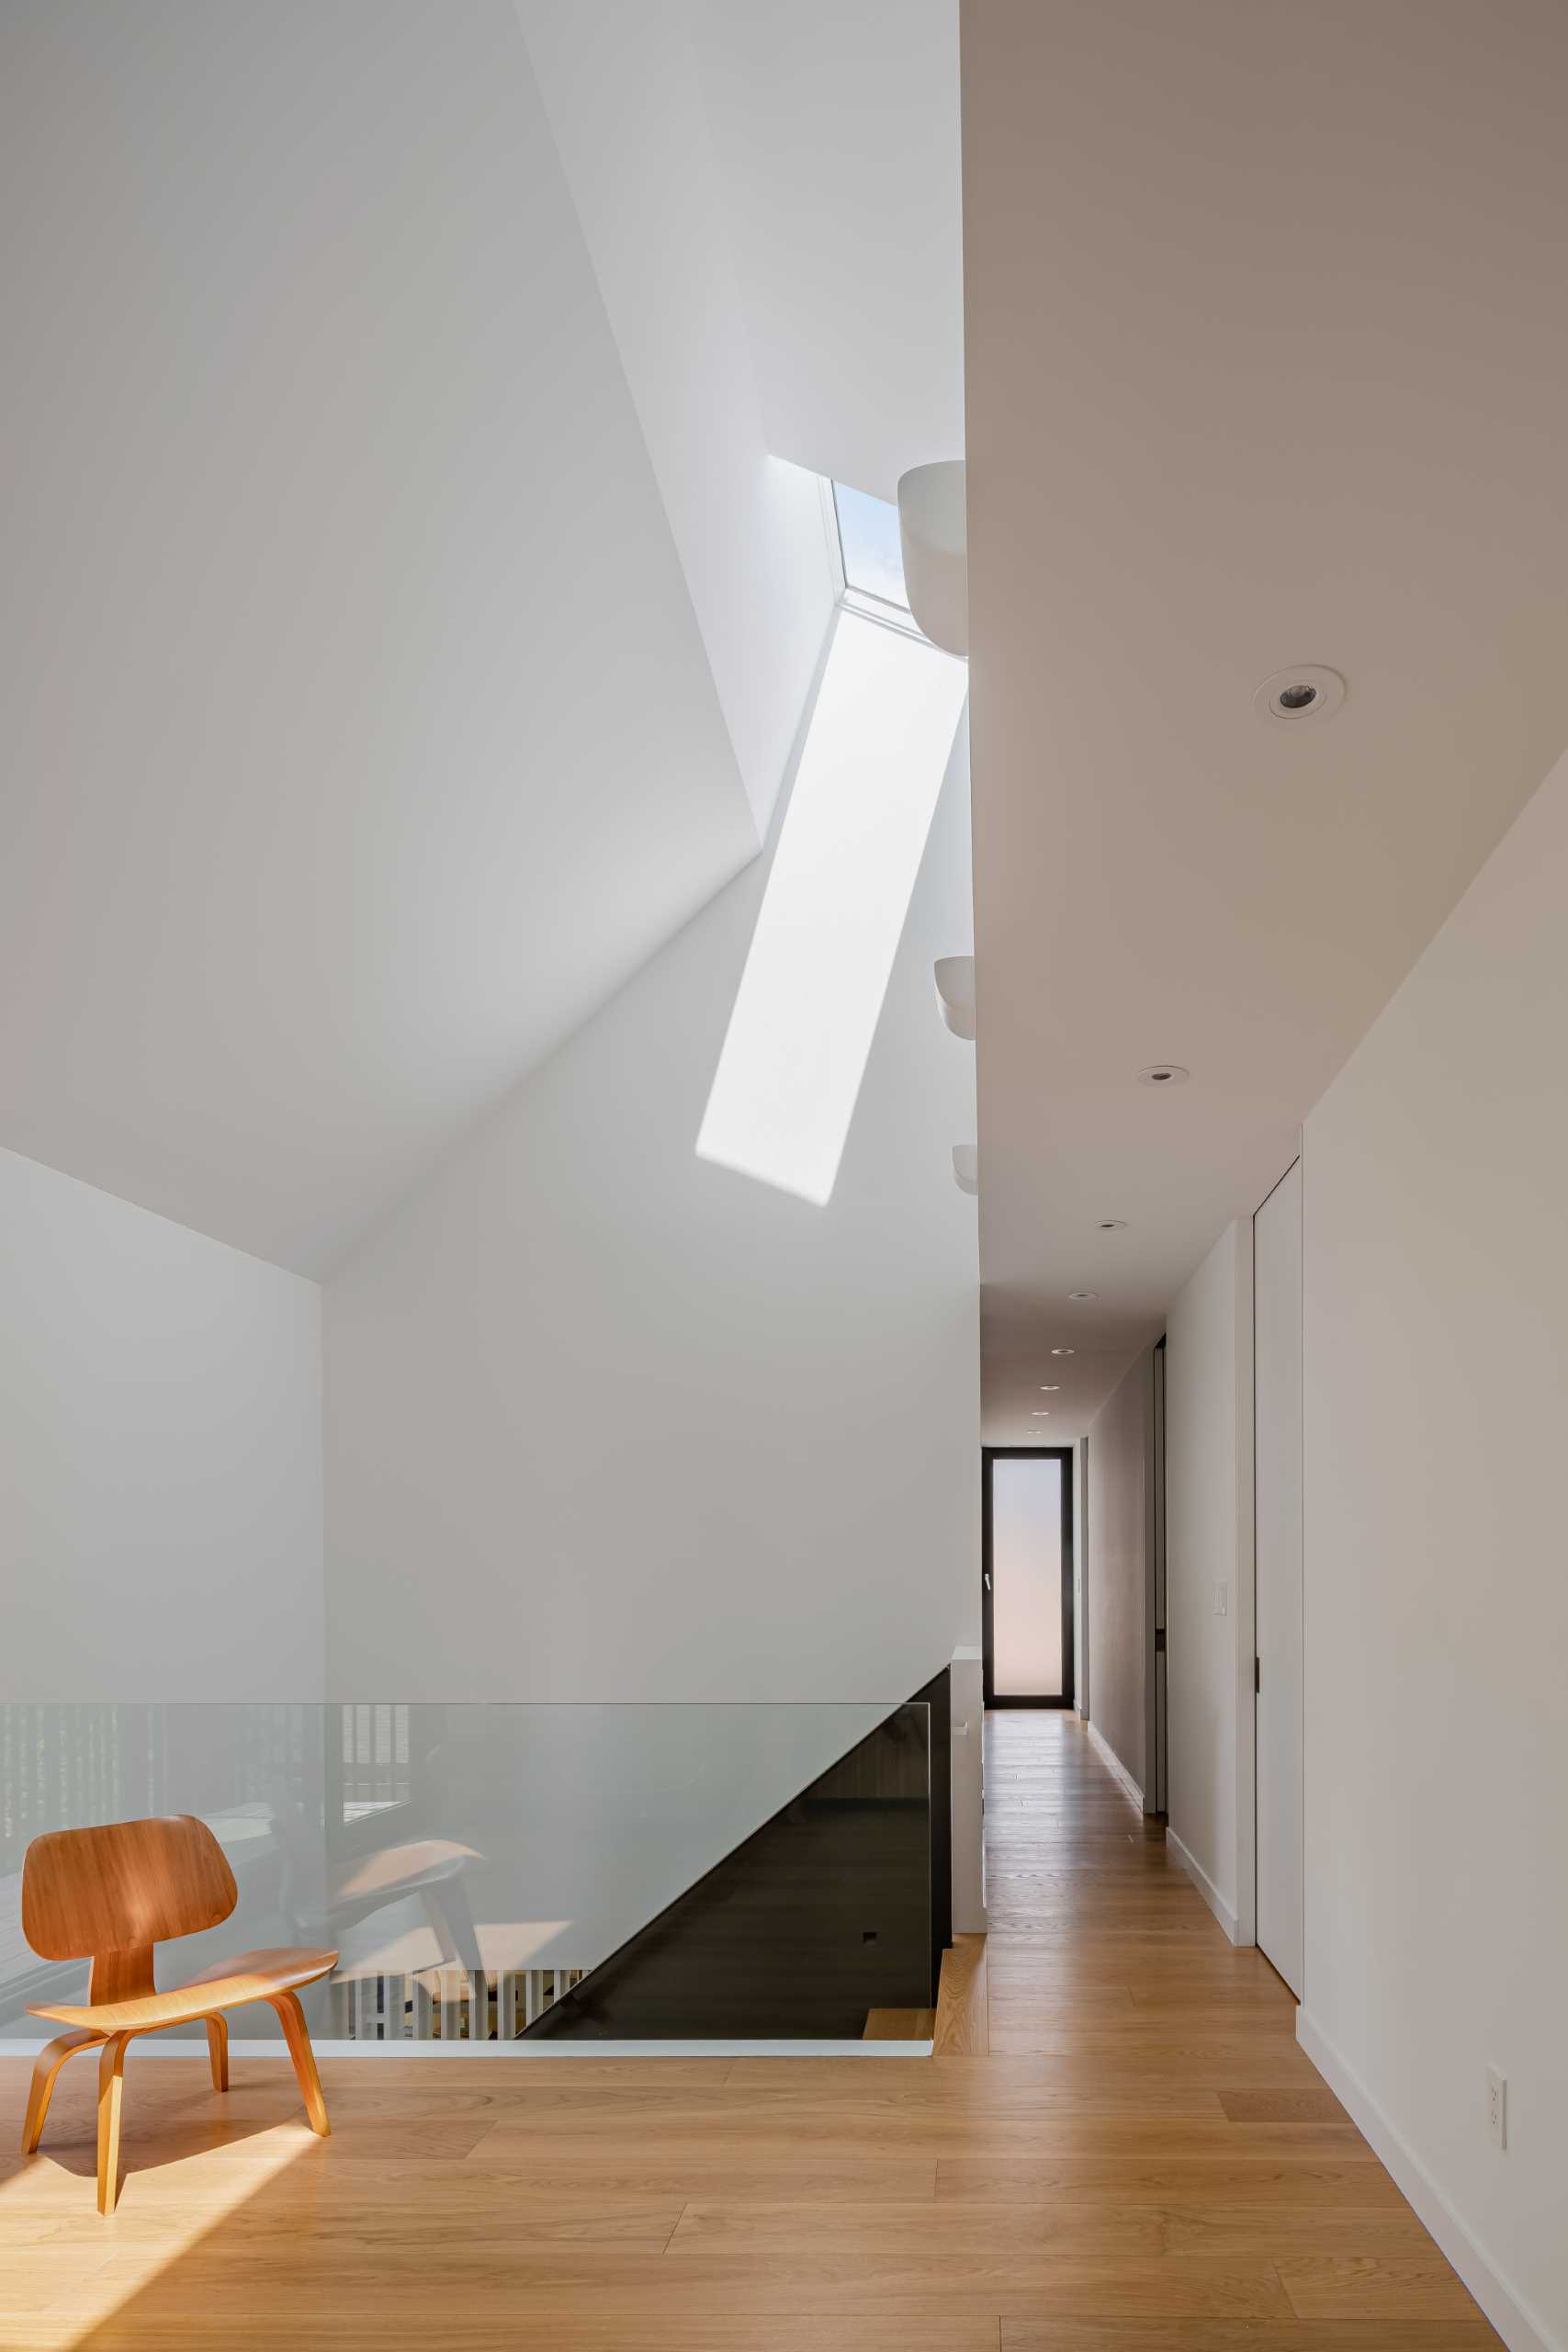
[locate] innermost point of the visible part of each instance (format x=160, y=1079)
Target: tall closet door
x=1277, y=1318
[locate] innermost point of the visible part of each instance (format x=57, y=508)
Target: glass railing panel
x=476, y=1865
x=254, y=1774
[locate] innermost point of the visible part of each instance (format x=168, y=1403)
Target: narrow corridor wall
x=1436, y=1305
x=1208, y=1406
x=1119, y=1470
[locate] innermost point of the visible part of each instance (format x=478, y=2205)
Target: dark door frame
x=1156, y=1684
x=1063, y=1454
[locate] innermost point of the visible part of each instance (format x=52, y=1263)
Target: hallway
x=1198, y=2132
x=1120, y=2148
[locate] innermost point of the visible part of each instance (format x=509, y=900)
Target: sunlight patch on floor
x=65, y=2268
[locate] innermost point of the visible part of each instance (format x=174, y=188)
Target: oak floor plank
x=1270, y=2066
x=1139, y=2096
x=490, y=2328
x=1027, y=2036
x=963, y=2010
x=1330, y=2286
x=1202, y=2182
x=772, y=2139
x=546, y=2287
x=1057, y=2335
x=1020, y=2233
x=811, y=2178
x=1308, y=2105
x=899, y=2025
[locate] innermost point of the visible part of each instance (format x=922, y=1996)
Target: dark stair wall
x=824, y=1913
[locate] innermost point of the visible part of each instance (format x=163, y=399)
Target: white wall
x=1208, y=1402
x=1118, y=1464
x=608, y=1422
x=160, y=1456
x=1436, y=1300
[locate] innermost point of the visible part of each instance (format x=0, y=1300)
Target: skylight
x=869, y=546
x=854, y=833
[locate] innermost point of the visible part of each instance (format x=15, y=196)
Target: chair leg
x=298, y=2037
x=46, y=2070
x=111, y=2074
x=218, y=2051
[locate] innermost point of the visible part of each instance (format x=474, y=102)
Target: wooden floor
x=1119, y=2148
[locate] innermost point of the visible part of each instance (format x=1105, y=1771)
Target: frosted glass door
x=1026, y=1577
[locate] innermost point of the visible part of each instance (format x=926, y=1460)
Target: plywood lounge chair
x=108, y=1896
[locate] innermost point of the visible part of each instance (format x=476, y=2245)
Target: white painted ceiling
x=1267, y=343
x=836, y=124
x=404, y=624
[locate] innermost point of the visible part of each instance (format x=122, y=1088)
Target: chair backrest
x=124, y=1887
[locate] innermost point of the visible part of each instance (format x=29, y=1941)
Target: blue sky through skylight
x=869, y=541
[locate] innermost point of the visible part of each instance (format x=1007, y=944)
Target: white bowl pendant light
x=933, y=527
x=956, y=994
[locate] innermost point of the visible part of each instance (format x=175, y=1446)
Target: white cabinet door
x=1276, y=1313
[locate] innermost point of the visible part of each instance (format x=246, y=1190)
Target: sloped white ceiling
x=836, y=124
x=622, y=94
x=360, y=732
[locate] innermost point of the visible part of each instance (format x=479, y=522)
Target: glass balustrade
x=496, y=1874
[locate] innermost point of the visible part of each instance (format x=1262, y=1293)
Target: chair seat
x=249, y=1976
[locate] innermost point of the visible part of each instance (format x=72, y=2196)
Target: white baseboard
x=1115, y=1765
x=167, y=2046
x=1520, y=2328
x=1186, y=1860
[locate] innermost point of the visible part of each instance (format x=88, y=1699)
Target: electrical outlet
x=1497, y=2107
x=1222, y=1600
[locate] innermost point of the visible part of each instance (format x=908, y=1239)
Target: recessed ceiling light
x=1041, y=1413
x=1049, y=1387
x=1164, y=1074
x=1063, y=1351
x=1082, y=1295
x=1301, y=697
x=1113, y=1224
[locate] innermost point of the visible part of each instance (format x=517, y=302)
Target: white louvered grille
x=448, y=2004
